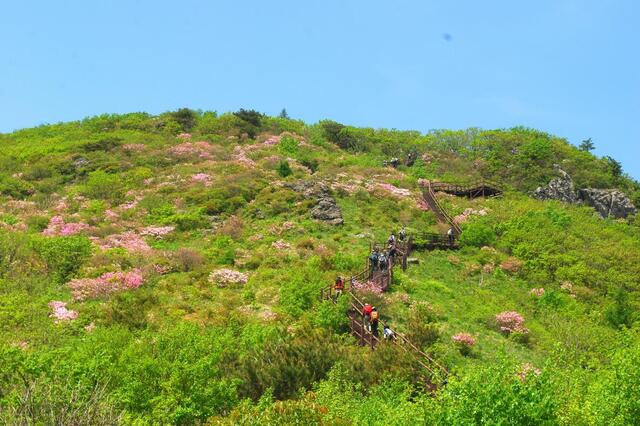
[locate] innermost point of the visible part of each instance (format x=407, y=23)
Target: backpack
x=374, y=257
x=374, y=315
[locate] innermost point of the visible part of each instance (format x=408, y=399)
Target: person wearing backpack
x=382, y=261
x=338, y=287
x=374, y=259
x=388, y=334
x=366, y=315
x=375, y=317
x=403, y=233
x=451, y=236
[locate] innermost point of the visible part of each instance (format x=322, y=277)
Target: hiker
x=375, y=317
x=374, y=258
x=403, y=233
x=394, y=162
x=392, y=239
x=382, y=261
x=392, y=251
x=451, y=236
x=366, y=315
x=339, y=287
x=388, y=334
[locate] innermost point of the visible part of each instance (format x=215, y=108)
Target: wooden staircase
x=475, y=190
x=364, y=337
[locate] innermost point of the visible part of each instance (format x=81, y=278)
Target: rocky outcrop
x=608, y=202
x=560, y=188
x=326, y=208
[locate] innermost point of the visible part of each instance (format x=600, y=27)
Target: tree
x=283, y=114
x=615, y=167
x=251, y=121
x=186, y=118
x=587, y=145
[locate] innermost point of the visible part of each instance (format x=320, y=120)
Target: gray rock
x=560, y=188
x=608, y=202
x=326, y=208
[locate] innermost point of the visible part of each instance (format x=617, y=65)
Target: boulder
x=326, y=208
x=560, y=188
x=608, y=202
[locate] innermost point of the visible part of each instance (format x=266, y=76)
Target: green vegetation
x=164, y=270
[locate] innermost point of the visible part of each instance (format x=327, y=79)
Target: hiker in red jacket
x=339, y=287
x=366, y=315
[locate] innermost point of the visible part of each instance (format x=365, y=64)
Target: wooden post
x=362, y=332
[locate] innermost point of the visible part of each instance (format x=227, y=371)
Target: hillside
x=167, y=270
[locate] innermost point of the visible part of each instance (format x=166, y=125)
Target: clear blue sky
x=569, y=67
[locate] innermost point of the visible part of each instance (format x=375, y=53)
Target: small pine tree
x=284, y=169
x=283, y=114
x=587, y=145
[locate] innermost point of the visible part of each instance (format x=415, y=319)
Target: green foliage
x=621, y=312
x=587, y=145
x=477, y=234
x=284, y=169
x=63, y=255
x=496, y=395
x=186, y=118
x=104, y=186
x=288, y=146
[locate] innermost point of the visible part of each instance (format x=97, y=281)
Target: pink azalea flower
x=60, y=312
x=202, y=178
x=281, y=245
x=133, y=147
x=511, y=321
x=394, y=190
x=157, y=231
x=57, y=226
x=224, y=277
x=537, y=292
x=107, y=283
x=129, y=241
x=464, y=339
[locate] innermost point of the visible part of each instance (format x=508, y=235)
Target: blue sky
x=568, y=67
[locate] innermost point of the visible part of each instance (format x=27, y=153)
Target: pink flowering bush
x=129, y=241
x=464, y=342
x=280, y=245
x=190, y=149
x=110, y=282
x=394, y=190
x=133, y=147
x=60, y=312
x=225, y=277
x=157, y=231
x=203, y=178
x=366, y=286
x=184, y=136
x=272, y=140
x=511, y=321
x=58, y=227
x=526, y=370
x=537, y=292
x=110, y=215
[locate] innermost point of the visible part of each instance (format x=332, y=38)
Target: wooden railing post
x=362, y=332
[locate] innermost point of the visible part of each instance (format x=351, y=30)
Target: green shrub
x=288, y=146
x=477, y=235
x=284, y=169
x=63, y=255
x=104, y=186
x=186, y=118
